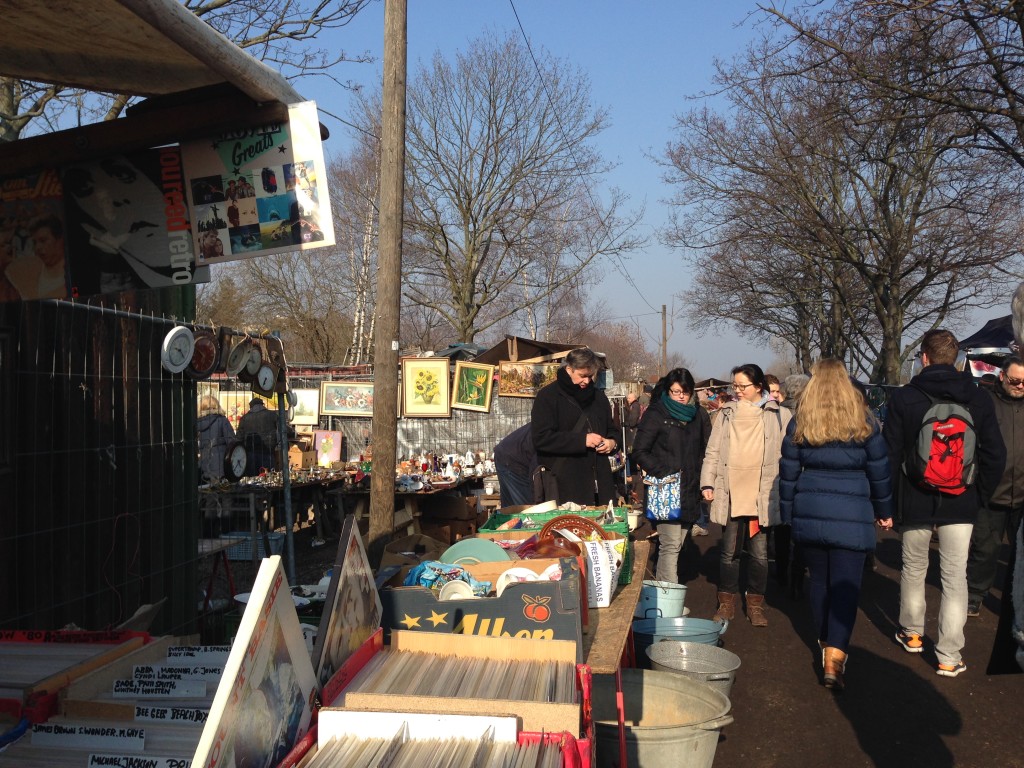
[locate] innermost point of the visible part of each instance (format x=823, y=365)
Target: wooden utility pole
x=664, y=341
x=384, y=431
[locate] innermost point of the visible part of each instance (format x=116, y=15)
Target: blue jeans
x=735, y=540
x=835, y=576
x=670, y=542
x=954, y=543
x=513, y=487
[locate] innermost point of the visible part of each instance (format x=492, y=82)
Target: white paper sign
x=171, y=689
x=79, y=736
x=136, y=761
x=171, y=714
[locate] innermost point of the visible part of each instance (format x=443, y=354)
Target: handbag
x=663, y=498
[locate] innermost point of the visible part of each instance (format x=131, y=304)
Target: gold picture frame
x=524, y=379
x=425, y=390
x=346, y=398
x=472, y=386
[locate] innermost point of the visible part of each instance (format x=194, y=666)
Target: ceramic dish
x=456, y=590
x=472, y=551
x=513, y=576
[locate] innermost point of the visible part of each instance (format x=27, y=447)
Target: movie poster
x=257, y=191
x=33, y=262
x=128, y=223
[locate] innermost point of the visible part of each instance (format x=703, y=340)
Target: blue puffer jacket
x=833, y=493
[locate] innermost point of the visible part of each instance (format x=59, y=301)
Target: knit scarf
x=584, y=397
x=678, y=411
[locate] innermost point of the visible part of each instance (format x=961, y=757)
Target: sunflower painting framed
x=471, y=390
x=425, y=387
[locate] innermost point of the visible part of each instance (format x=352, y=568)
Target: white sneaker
x=697, y=530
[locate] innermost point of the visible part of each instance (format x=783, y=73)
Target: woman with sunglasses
x=671, y=438
x=834, y=485
x=738, y=478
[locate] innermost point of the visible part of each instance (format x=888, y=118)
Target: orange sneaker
x=911, y=641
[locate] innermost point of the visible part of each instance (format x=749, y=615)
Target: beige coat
x=714, y=472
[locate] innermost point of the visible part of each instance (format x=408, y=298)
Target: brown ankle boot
x=755, y=610
x=726, y=607
x=835, y=666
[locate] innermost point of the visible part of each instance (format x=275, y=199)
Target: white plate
x=514, y=575
x=243, y=598
x=456, y=590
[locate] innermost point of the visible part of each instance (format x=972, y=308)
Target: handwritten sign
x=171, y=714
x=176, y=672
x=172, y=689
x=199, y=654
x=76, y=736
x=134, y=761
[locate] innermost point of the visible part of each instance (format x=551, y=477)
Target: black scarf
x=583, y=396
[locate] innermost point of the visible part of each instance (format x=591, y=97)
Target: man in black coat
x=574, y=434
x=922, y=509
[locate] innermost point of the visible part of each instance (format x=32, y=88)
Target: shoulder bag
x=663, y=498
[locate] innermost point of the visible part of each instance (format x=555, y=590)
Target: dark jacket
x=905, y=412
x=563, y=449
x=631, y=420
x=832, y=494
x=215, y=434
x=515, y=451
x=665, y=445
x=258, y=431
x=1009, y=493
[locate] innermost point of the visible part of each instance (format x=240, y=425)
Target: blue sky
x=645, y=60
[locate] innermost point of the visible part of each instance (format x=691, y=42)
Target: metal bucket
x=699, y=661
x=670, y=720
x=660, y=600
x=686, y=629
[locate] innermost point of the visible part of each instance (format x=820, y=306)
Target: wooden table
x=610, y=640
x=605, y=644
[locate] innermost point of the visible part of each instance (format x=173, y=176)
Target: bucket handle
x=718, y=678
x=725, y=626
x=647, y=612
x=714, y=725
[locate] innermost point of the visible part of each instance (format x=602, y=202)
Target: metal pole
x=286, y=484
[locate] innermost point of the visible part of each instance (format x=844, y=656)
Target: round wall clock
x=238, y=357
x=266, y=377
x=205, y=356
x=255, y=360
x=235, y=460
x=176, y=352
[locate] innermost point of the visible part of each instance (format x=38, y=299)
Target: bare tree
x=502, y=182
x=968, y=57
x=875, y=221
x=279, y=32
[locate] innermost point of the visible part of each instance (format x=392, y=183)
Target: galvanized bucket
x=660, y=600
x=647, y=631
x=670, y=720
x=708, y=663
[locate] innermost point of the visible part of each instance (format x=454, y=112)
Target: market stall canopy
x=516, y=348
x=460, y=351
x=712, y=382
x=995, y=334
x=137, y=47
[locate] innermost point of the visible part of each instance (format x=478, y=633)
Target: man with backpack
x=946, y=450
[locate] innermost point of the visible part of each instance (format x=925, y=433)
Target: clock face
x=255, y=360
x=204, y=356
x=234, y=464
x=176, y=352
x=238, y=357
x=266, y=377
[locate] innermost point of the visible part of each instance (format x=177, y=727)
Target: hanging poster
x=128, y=223
x=32, y=250
x=257, y=191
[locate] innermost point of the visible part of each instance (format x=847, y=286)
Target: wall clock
x=235, y=460
x=176, y=352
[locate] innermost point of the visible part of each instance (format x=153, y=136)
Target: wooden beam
x=201, y=118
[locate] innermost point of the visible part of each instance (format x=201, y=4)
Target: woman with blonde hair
x=834, y=485
x=214, y=434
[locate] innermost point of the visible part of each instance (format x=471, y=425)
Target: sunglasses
x=1013, y=382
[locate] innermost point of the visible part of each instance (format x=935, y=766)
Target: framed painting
x=471, y=390
x=425, y=387
x=346, y=398
x=307, y=407
x=524, y=379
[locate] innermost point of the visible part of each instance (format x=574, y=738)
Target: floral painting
x=425, y=386
x=346, y=398
x=471, y=390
